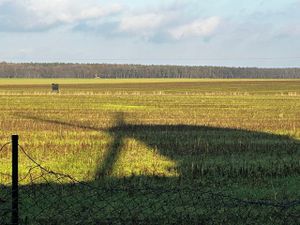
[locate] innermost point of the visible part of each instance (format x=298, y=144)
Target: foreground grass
x=237, y=137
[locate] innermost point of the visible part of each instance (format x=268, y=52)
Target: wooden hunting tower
x=55, y=87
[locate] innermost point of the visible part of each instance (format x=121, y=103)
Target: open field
x=238, y=137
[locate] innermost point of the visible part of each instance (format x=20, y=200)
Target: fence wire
x=53, y=198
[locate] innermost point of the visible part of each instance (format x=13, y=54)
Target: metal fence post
x=15, y=178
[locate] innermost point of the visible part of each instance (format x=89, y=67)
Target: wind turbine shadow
x=176, y=142
x=171, y=200
x=113, y=151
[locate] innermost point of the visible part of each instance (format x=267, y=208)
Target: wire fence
x=49, y=197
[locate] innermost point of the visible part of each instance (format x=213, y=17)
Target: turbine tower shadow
x=175, y=141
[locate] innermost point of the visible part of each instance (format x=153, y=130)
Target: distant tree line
x=71, y=70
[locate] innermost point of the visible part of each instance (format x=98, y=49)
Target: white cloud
x=157, y=24
x=136, y=23
x=67, y=11
x=39, y=14
x=197, y=28
x=98, y=12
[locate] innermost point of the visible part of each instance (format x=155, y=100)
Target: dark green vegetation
x=165, y=151
x=69, y=70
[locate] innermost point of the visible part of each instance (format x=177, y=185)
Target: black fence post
x=15, y=178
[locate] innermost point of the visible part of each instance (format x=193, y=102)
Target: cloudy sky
x=191, y=32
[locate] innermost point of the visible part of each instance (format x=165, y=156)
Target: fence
x=48, y=197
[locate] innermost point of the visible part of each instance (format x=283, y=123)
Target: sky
x=236, y=33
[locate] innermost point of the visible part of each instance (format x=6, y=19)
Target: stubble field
x=236, y=137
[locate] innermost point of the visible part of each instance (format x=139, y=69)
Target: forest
x=77, y=70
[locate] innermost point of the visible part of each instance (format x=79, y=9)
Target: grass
x=239, y=137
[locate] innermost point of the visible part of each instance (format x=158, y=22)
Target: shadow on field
x=185, y=144
x=207, y=158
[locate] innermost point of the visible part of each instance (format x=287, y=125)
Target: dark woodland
x=76, y=70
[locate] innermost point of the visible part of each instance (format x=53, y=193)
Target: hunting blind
x=55, y=87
